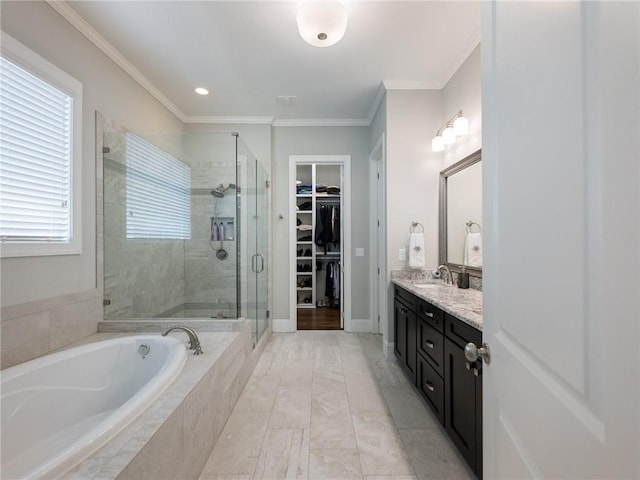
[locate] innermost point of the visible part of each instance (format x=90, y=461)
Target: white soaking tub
x=58, y=409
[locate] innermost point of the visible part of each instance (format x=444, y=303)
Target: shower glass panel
x=253, y=246
x=180, y=235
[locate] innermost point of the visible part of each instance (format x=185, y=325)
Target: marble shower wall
x=210, y=283
x=142, y=278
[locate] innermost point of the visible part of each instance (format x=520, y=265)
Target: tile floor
x=328, y=405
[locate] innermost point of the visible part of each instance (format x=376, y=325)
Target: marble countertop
x=464, y=304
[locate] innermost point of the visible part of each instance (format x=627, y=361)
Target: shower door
x=252, y=255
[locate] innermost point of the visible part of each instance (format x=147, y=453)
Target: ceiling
x=248, y=52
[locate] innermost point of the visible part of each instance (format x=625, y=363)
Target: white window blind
x=35, y=158
x=158, y=192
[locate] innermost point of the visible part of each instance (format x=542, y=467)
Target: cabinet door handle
x=429, y=344
x=429, y=386
x=402, y=310
x=428, y=314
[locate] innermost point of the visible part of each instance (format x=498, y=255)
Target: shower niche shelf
x=228, y=225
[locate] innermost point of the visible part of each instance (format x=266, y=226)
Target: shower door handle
x=253, y=263
x=261, y=262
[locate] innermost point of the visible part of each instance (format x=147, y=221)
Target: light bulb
x=202, y=91
x=461, y=126
x=437, y=144
x=449, y=136
x=322, y=23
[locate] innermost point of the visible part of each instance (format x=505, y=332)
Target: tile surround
x=173, y=438
x=33, y=329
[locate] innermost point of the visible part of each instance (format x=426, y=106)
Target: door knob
x=472, y=352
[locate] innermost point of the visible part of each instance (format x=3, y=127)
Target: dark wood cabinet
x=429, y=345
x=400, y=329
x=405, y=339
x=461, y=390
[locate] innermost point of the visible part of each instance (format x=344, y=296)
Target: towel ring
x=470, y=225
x=414, y=228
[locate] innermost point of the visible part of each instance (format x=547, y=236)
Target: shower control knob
x=472, y=352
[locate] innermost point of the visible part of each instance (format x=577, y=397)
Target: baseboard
x=282, y=325
x=360, y=325
x=388, y=349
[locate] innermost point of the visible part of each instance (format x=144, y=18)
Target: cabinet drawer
x=430, y=314
x=409, y=299
x=460, y=332
x=431, y=345
x=432, y=387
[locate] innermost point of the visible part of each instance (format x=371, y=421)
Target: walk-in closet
x=318, y=224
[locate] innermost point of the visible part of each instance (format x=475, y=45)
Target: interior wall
x=352, y=141
x=106, y=88
x=412, y=171
x=464, y=92
x=48, y=302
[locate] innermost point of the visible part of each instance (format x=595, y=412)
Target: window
x=158, y=192
x=40, y=155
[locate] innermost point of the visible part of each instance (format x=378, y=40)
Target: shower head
x=220, y=190
x=217, y=192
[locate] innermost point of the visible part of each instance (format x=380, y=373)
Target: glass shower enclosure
x=185, y=229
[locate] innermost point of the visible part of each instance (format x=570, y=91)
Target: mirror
x=461, y=215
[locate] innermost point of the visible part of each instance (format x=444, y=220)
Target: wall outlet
x=359, y=252
x=402, y=254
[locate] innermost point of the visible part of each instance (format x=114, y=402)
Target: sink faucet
x=194, y=342
x=448, y=272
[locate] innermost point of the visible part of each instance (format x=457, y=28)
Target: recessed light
x=202, y=91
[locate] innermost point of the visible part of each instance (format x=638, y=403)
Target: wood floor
x=319, y=318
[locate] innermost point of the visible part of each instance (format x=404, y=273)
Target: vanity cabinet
x=463, y=392
x=404, y=319
x=429, y=345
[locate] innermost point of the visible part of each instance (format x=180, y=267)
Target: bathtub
x=58, y=409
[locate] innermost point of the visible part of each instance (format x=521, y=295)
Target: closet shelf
x=304, y=242
x=304, y=289
x=304, y=273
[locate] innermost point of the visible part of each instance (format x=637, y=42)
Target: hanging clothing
x=332, y=283
x=335, y=225
x=328, y=226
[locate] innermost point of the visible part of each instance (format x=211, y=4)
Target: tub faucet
x=194, y=342
x=448, y=272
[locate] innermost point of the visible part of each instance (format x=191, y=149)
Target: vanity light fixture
x=202, y=91
x=322, y=23
x=456, y=126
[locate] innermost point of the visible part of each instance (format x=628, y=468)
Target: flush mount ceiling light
x=202, y=91
x=322, y=23
x=456, y=126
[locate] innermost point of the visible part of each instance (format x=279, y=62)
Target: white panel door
x=561, y=202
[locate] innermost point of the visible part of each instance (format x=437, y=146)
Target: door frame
x=377, y=237
x=325, y=160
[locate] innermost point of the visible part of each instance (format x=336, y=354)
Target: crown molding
x=456, y=63
x=322, y=122
x=70, y=15
x=228, y=120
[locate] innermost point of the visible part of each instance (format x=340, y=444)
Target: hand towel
x=416, y=250
x=473, y=250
